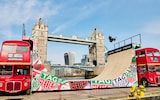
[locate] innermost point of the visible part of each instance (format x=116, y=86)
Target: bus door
x=142, y=72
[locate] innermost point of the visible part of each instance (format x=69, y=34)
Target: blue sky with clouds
x=118, y=18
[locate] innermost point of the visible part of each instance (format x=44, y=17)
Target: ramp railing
x=136, y=39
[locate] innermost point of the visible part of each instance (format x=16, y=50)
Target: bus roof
x=147, y=49
x=18, y=42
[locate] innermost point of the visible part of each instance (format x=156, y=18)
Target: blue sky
x=118, y=18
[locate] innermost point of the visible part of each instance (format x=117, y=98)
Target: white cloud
x=16, y=12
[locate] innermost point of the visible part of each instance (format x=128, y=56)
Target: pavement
x=95, y=94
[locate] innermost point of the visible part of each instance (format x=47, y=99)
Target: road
x=96, y=94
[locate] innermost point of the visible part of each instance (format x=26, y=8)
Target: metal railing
x=128, y=41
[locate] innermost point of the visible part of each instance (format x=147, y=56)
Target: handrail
x=131, y=41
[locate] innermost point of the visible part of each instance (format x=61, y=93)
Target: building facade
x=85, y=60
x=40, y=31
x=69, y=58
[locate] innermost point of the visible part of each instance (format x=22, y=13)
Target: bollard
x=137, y=92
x=133, y=91
x=142, y=91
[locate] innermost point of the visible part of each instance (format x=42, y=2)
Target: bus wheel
x=145, y=83
x=28, y=92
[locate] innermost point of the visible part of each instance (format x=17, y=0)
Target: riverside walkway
x=95, y=94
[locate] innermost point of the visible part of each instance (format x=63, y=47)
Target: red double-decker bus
x=148, y=66
x=15, y=65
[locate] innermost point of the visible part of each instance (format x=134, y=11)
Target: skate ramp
x=116, y=65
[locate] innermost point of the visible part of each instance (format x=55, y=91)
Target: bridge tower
x=40, y=31
x=96, y=51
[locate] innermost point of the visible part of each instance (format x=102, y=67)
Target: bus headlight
x=1, y=84
x=25, y=84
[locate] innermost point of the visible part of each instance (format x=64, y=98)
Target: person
x=18, y=72
x=111, y=39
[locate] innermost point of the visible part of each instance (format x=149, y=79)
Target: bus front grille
x=10, y=86
x=13, y=86
x=158, y=80
x=17, y=86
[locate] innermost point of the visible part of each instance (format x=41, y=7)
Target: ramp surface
x=117, y=64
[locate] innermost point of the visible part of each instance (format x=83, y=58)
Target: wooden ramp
x=117, y=64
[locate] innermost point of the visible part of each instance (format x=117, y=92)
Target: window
x=156, y=53
x=141, y=54
x=5, y=70
x=143, y=69
x=154, y=59
x=14, y=48
x=25, y=71
x=149, y=53
x=158, y=68
x=22, y=48
x=152, y=68
x=9, y=48
x=41, y=33
x=21, y=70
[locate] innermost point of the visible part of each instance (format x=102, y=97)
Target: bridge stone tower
x=40, y=30
x=96, y=51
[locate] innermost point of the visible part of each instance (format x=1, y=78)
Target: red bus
x=15, y=65
x=148, y=66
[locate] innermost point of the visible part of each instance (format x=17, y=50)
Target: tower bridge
x=95, y=43
x=72, y=39
x=88, y=68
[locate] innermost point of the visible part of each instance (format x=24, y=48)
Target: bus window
x=9, y=48
x=5, y=70
x=143, y=69
x=158, y=68
x=142, y=53
x=25, y=71
x=149, y=53
x=156, y=53
x=154, y=59
x=152, y=68
x=22, y=48
x=19, y=70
